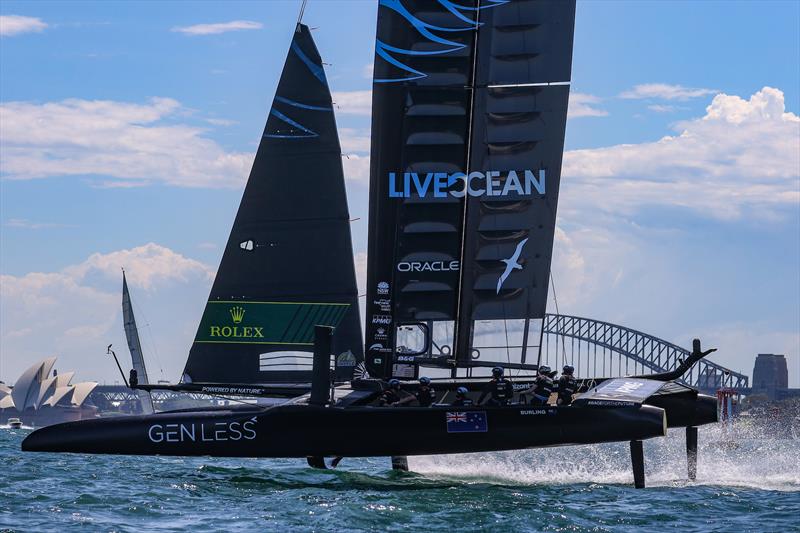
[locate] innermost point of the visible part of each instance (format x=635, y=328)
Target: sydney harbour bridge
x=595, y=348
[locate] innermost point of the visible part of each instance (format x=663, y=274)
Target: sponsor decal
x=384, y=303
x=629, y=387
x=378, y=347
x=458, y=185
x=382, y=319
x=467, y=422
x=428, y=266
x=380, y=334
x=406, y=358
x=521, y=385
x=512, y=263
x=346, y=359
x=203, y=431
x=247, y=246
x=383, y=287
x=610, y=403
x=537, y=412
x=266, y=322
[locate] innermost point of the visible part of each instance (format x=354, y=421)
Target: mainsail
x=134, y=345
x=470, y=101
x=288, y=264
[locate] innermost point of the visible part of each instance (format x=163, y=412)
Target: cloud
x=665, y=91
x=661, y=108
x=121, y=140
x=75, y=312
x=353, y=102
x=17, y=24
x=220, y=27
x=146, y=266
x=367, y=70
x=24, y=223
x=356, y=168
x=742, y=155
x=354, y=140
x=581, y=105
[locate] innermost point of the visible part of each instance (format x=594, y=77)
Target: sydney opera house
x=40, y=399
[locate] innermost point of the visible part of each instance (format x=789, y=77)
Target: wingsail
x=469, y=113
x=288, y=264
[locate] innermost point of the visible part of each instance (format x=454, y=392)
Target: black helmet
x=497, y=371
x=569, y=370
x=461, y=392
x=424, y=380
x=394, y=383
x=544, y=369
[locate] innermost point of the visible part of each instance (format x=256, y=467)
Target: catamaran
x=469, y=115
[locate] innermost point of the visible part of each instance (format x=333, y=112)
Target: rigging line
x=140, y=311
x=302, y=10
x=555, y=300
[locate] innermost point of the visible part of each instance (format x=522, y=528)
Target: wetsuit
x=567, y=385
x=500, y=392
x=541, y=389
x=463, y=402
x=425, y=396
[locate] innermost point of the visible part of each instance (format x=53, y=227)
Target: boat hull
x=300, y=431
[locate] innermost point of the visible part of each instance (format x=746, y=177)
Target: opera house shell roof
x=37, y=391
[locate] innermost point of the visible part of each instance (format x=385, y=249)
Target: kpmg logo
x=428, y=266
x=442, y=184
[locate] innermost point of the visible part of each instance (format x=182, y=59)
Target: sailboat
x=469, y=115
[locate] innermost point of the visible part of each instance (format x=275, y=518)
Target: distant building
x=770, y=375
x=41, y=399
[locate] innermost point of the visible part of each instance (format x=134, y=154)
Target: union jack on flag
x=467, y=422
x=456, y=417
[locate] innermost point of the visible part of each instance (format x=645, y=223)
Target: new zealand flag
x=467, y=422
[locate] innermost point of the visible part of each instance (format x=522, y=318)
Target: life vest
x=390, y=396
x=567, y=385
x=502, y=390
x=426, y=397
x=463, y=402
x=543, y=388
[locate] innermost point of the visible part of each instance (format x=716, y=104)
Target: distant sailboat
x=135, y=347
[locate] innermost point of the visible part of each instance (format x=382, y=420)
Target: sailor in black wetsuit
x=542, y=388
x=500, y=390
x=567, y=385
x=394, y=395
x=425, y=395
x=461, y=398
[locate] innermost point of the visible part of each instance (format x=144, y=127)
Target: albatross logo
x=512, y=263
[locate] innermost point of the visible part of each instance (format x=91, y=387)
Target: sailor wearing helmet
x=500, y=390
x=567, y=385
x=425, y=395
x=542, y=388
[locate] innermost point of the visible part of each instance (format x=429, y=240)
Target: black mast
x=288, y=264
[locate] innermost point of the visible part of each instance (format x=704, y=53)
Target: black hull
x=301, y=431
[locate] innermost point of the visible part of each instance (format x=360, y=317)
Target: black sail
x=288, y=264
x=469, y=111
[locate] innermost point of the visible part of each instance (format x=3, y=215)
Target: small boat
x=14, y=423
x=469, y=115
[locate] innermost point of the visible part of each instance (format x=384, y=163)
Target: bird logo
x=512, y=263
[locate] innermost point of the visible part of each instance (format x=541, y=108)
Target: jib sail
x=469, y=111
x=288, y=264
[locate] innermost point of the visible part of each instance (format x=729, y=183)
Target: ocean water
x=752, y=485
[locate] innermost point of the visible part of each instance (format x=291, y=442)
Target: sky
x=127, y=131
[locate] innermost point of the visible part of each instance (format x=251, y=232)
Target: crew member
x=499, y=389
x=461, y=398
x=567, y=385
x=425, y=395
x=395, y=396
x=542, y=388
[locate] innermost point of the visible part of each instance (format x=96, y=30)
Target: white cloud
x=356, y=167
x=146, y=266
x=75, y=312
x=367, y=70
x=220, y=27
x=121, y=140
x=17, y=24
x=353, y=102
x=661, y=108
x=665, y=91
x=354, y=140
x=582, y=105
x=24, y=223
x=742, y=154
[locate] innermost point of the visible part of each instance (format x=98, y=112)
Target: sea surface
x=744, y=483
